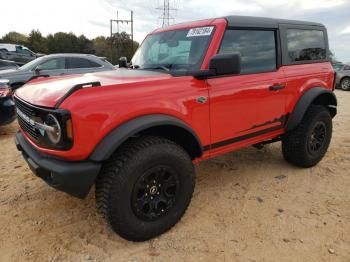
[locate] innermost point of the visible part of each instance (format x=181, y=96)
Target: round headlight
x=55, y=135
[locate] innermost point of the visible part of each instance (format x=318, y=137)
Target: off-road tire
x=345, y=84
x=296, y=144
x=116, y=183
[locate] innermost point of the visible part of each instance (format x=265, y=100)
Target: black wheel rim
x=155, y=192
x=317, y=138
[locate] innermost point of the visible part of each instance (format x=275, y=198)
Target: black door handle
x=277, y=87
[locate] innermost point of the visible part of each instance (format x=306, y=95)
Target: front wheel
x=308, y=143
x=345, y=84
x=145, y=188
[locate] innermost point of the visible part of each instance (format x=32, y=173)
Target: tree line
x=112, y=48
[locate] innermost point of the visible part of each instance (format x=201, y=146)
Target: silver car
x=5, y=64
x=55, y=65
x=342, y=76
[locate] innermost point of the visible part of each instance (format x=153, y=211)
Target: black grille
x=30, y=112
x=25, y=108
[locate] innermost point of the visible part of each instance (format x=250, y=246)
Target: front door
x=52, y=67
x=250, y=105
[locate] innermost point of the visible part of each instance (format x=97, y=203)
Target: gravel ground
x=248, y=205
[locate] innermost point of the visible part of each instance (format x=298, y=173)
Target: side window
x=53, y=64
x=257, y=49
x=306, y=45
x=94, y=64
x=337, y=67
x=76, y=62
x=19, y=49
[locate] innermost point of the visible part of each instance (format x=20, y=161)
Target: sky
x=91, y=17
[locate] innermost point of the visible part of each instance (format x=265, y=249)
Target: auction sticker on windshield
x=200, y=31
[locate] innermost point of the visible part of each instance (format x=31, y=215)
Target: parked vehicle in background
x=343, y=77
x=194, y=91
x=17, y=53
x=337, y=66
x=55, y=65
x=7, y=106
x=6, y=64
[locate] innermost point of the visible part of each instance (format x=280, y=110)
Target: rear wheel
x=308, y=143
x=345, y=84
x=145, y=188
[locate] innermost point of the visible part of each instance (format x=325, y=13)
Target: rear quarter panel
x=300, y=78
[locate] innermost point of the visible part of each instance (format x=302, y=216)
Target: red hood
x=47, y=92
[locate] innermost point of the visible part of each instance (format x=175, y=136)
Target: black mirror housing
x=226, y=64
x=37, y=69
x=123, y=62
x=221, y=64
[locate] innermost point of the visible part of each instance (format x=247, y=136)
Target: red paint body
x=235, y=103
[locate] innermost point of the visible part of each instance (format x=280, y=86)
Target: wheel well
x=178, y=135
x=314, y=96
x=327, y=100
x=344, y=77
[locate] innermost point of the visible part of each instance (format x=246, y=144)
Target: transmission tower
x=119, y=22
x=166, y=16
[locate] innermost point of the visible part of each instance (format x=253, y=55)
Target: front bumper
x=7, y=110
x=74, y=178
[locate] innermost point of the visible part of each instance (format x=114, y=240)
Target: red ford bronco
x=192, y=91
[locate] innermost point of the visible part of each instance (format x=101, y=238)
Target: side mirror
x=226, y=64
x=38, y=69
x=123, y=62
x=221, y=64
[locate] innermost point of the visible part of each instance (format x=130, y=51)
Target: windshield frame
x=171, y=70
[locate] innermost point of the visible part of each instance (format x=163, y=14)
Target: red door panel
x=244, y=104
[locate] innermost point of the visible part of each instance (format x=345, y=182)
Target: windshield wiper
x=158, y=67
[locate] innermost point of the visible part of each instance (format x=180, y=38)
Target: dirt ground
x=248, y=205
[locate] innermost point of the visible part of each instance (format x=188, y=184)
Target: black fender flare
x=316, y=95
x=107, y=146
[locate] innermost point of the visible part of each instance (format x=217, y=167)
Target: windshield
x=174, y=50
x=337, y=67
x=29, y=66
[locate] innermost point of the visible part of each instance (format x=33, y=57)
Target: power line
x=166, y=13
x=121, y=22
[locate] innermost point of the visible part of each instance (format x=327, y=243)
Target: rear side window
x=306, y=45
x=257, y=49
x=76, y=62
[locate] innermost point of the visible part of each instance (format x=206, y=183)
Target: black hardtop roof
x=264, y=22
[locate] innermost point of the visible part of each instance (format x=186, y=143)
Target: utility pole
x=166, y=16
x=118, y=22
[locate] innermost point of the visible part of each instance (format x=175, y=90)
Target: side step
x=262, y=144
